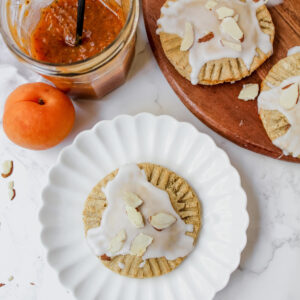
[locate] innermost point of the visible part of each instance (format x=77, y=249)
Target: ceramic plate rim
x=245, y=224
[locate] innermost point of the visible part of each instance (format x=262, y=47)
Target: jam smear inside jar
x=53, y=39
x=41, y=34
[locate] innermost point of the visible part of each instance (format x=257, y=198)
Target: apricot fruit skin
x=38, y=116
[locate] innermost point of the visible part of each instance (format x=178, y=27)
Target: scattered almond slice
x=230, y=27
x=224, y=12
x=234, y=46
x=7, y=168
x=289, y=96
x=236, y=18
x=11, y=185
x=188, y=38
x=135, y=217
x=162, y=220
x=117, y=243
x=140, y=244
x=206, y=37
x=11, y=194
x=210, y=4
x=249, y=92
x=132, y=199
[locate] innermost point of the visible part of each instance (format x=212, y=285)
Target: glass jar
x=93, y=77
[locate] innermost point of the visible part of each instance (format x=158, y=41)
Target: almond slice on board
x=249, y=92
x=289, y=96
x=140, y=244
x=188, y=38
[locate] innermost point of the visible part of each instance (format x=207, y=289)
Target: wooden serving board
x=218, y=106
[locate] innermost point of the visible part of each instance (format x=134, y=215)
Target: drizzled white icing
x=142, y=264
x=269, y=100
x=273, y=2
x=181, y=11
x=293, y=51
x=171, y=242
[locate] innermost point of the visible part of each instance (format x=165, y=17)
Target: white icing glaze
x=189, y=227
x=171, y=242
x=293, y=51
x=121, y=265
x=181, y=11
x=141, y=265
x=269, y=100
x=273, y=2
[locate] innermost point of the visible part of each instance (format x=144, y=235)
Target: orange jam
x=53, y=39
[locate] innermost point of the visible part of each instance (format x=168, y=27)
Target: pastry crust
x=221, y=70
x=184, y=201
x=275, y=123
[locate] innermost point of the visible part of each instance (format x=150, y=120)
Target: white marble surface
x=270, y=264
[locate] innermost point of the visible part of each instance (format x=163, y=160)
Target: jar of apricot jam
x=41, y=33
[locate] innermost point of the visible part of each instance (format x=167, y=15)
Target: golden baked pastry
x=220, y=70
x=275, y=123
x=183, y=200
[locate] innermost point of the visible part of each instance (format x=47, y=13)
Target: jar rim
x=117, y=43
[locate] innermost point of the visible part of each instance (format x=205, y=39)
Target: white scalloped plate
x=161, y=140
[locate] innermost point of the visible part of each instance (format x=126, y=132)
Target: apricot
x=38, y=116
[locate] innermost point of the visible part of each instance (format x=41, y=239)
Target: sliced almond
x=206, y=37
x=132, y=199
x=236, y=18
x=289, y=96
x=249, y=92
x=210, y=4
x=11, y=194
x=11, y=185
x=224, y=12
x=140, y=244
x=135, y=217
x=188, y=38
x=230, y=27
x=162, y=220
x=117, y=243
x=7, y=168
x=234, y=46
x=287, y=86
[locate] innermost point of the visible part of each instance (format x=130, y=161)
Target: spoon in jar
x=80, y=20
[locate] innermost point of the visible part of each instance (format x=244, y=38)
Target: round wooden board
x=218, y=106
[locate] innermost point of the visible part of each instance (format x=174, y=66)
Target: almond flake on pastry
x=140, y=244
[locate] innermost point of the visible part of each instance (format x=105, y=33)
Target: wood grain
x=218, y=106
